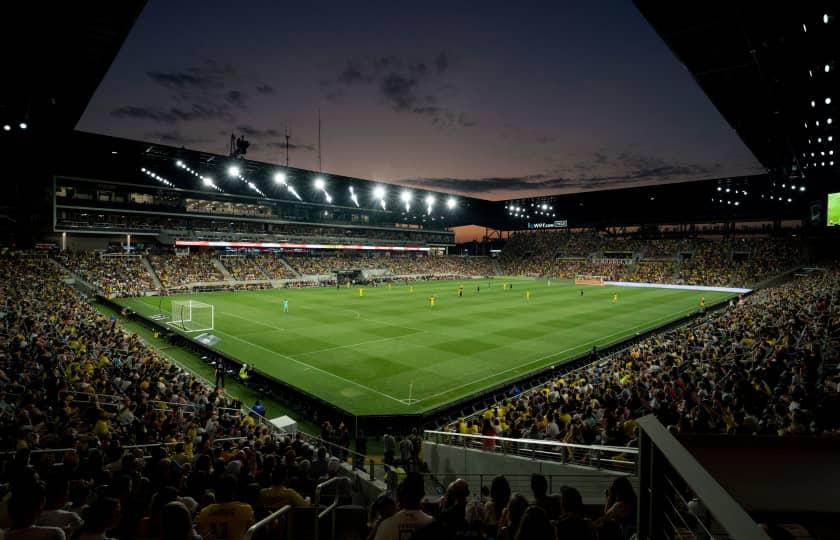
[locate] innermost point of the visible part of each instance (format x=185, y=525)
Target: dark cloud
x=174, y=137
x=352, y=74
x=265, y=89
x=644, y=170
x=292, y=146
x=409, y=86
x=251, y=131
x=173, y=114
x=205, y=76
x=545, y=139
x=236, y=98
x=399, y=91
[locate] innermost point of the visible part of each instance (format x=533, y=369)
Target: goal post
x=192, y=316
x=585, y=279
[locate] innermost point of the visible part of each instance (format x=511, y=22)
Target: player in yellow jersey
x=411, y=288
x=361, y=292
x=432, y=300
x=389, y=286
x=702, y=304
x=527, y=296
x=615, y=298
x=460, y=290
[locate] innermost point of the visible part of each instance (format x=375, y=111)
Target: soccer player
x=460, y=290
x=504, y=286
x=411, y=288
x=285, y=305
x=549, y=283
x=615, y=298
x=581, y=292
x=527, y=296
x=361, y=292
x=702, y=304
x=477, y=289
x=432, y=301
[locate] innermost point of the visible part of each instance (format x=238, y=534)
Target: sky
x=494, y=99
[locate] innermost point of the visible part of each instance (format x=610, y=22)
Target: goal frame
x=586, y=279
x=182, y=308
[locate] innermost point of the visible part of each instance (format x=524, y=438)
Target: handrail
x=538, y=442
x=331, y=508
x=271, y=518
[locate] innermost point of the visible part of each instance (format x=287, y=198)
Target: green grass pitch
x=833, y=209
x=389, y=352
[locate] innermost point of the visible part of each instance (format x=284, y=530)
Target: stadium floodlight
x=353, y=197
x=233, y=171
x=23, y=125
x=789, y=199
x=7, y=127
x=279, y=178
x=813, y=103
x=804, y=28
x=320, y=183
x=179, y=163
x=720, y=188
x=806, y=125
x=828, y=101
x=825, y=18
x=207, y=181
x=450, y=203
x=829, y=121
x=827, y=68
x=405, y=196
x=430, y=202
x=802, y=188
x=379, y=192
x=830, y=138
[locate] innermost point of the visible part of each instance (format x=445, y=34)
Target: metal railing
x=615, y=458
x=265, y=522
x=678, y=498
x=329, y=510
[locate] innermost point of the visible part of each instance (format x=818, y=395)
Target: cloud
x=173, y=114
x=545, y=139
x=256, y=133
x=399, y=91
x=405, y=85
x=236, y=98
x=632, y=170
x=292, y=146
x=205, y=76
x=265, y=89
x=174, y=137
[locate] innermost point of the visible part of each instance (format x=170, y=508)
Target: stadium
x=213, y=344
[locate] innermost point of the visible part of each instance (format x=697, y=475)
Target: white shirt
x=69, y=521
x=401, y=526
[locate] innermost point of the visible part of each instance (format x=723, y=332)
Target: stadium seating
x=755, y=368
x=739, y=262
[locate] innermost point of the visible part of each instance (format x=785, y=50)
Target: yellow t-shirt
x=225, y=521
x=277, y=497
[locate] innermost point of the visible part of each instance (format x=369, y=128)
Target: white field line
x=546, y=357
x=309, y=366
x=351, y=345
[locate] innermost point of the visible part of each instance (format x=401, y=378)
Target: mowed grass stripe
x=362, y=354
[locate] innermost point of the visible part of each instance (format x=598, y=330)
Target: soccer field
x=367, y=354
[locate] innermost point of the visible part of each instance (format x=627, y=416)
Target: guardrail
x=265, y=522
x=344, y=481
x=615, y=458
x=678, y=498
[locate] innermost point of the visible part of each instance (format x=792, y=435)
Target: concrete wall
x=478, y=467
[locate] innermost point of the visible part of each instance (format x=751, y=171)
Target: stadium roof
x=770, y=69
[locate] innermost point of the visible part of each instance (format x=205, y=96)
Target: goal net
x=192, y=316
x=584, y=279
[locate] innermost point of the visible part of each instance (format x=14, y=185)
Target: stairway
x=289, y=266
x=497, y=267
x=151, y=271
x=221, y=268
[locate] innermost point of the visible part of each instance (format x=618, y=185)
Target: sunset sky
x=490, y=99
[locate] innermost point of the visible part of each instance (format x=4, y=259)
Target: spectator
x=101, y=517
x=409, y=518
x=278, y=495
x=227, y=519
x=535, y=525
x=493, y=508
x=572, y=524
x=176, y=523
x=549, y=504
x=25, y=506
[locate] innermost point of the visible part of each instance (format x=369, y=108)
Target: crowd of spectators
x=179, y=270
x=244, y=267
x=141, y=449
x=499, y=513
x=400, y=265
x=726, y=262
x=758, y=367
x=113, y=275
